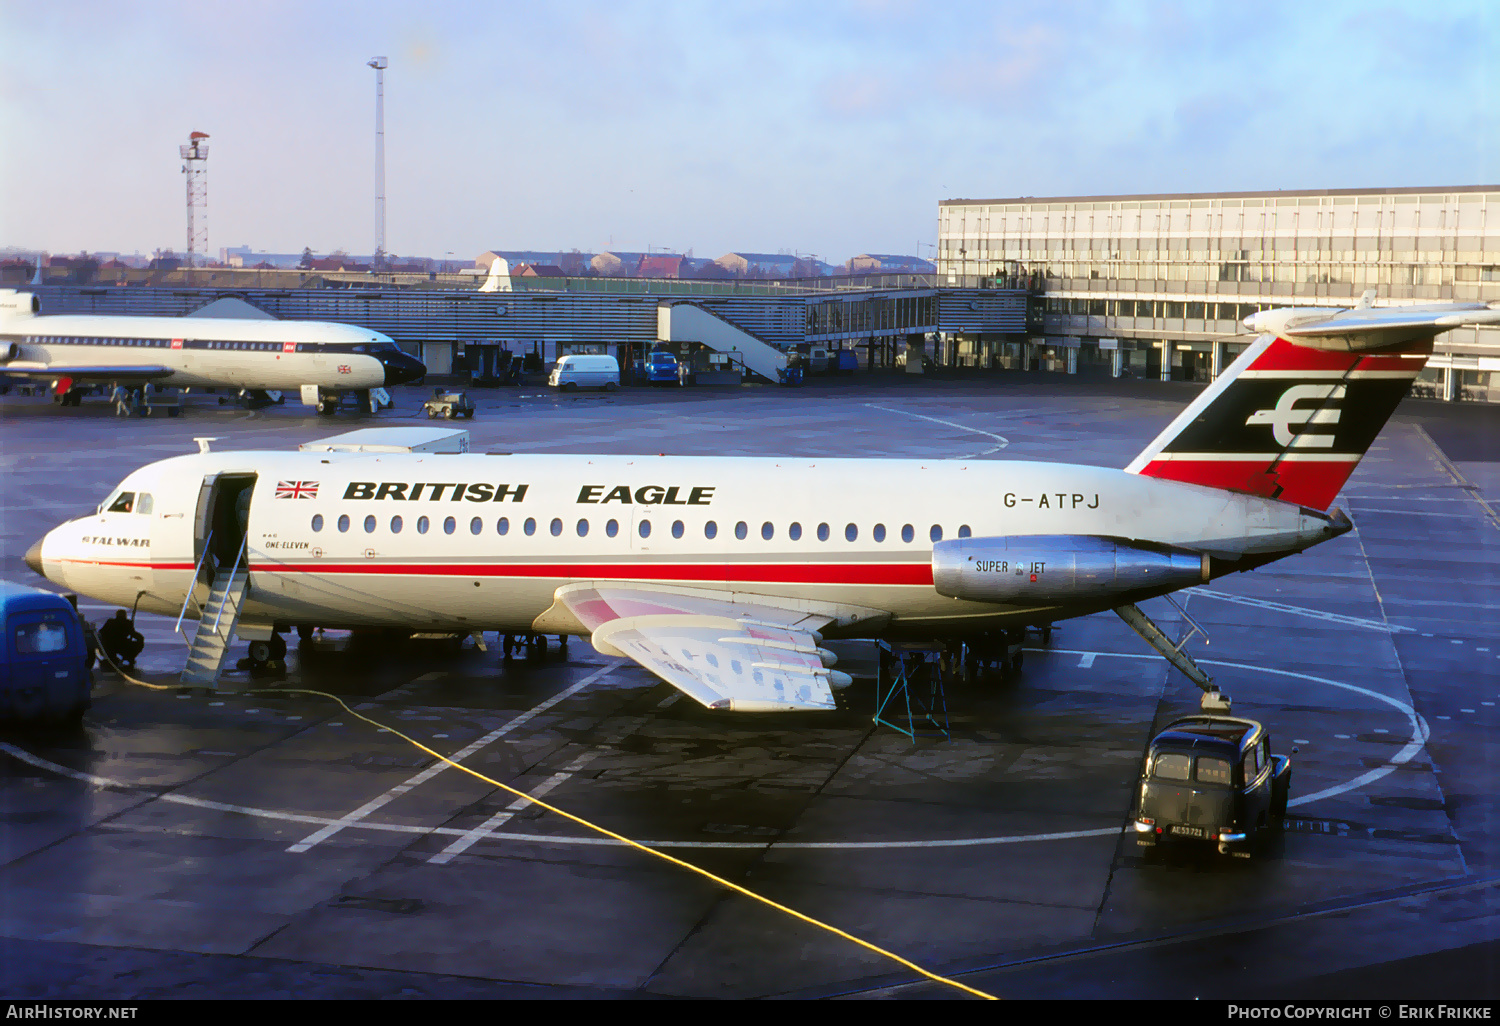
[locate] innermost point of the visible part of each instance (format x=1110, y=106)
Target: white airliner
x=68, y=350
x=723, y=575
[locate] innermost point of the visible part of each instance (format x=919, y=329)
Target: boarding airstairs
x=217, y=617
x=689, y=322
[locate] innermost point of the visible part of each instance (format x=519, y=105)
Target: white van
x=579, y=370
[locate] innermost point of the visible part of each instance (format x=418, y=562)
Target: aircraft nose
x=401, y=368
x=34, y=558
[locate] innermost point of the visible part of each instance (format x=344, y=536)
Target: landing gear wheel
x=562, y=644
x=304, y=633
x=327, y=409
x=278, y=648
x=260, y=651
x=508, y=645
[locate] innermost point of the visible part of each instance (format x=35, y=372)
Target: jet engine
x=12, y=352
x=1045, y=568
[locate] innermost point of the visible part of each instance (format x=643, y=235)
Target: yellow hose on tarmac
x=594, y=827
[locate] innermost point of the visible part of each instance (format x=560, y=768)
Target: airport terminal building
x=1155, y=285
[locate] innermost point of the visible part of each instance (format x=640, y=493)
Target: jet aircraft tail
x=1292, y=417
x=498, y=279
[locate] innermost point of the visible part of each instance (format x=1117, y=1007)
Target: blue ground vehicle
x=44, y=657
x=661, y=369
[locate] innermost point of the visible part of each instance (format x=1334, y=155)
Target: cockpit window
x=124, y=502
x=143, y=502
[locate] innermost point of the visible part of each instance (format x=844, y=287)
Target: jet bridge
x=689, y=322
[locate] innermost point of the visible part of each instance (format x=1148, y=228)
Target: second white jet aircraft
x=71, y=350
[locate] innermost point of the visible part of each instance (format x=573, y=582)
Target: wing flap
x=724, y=663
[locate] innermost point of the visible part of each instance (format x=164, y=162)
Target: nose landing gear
x=267, y=658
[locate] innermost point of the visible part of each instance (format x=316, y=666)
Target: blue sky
x=831, y=128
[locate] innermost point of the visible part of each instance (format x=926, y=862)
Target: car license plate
x=1188, y=831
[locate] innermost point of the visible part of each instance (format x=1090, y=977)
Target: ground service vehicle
x=448, y=405
x=585, y=370
x=1212, y=779
x=44, y=657
x=661, y=369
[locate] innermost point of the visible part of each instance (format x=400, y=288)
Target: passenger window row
x=643, y=528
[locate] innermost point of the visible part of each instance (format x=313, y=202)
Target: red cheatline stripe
x=784, y=573
x=776, y=573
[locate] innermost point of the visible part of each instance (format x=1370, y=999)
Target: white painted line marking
x=319, y=836
x=1455, y=641
x=1087, y=660
x=499, y=819
x=1445, y=717
x=1381, y=730
x=1316, y=614
x=1417, y=513
x=1482, y=649
x=1342, y=737
x=1469, y=711
x=1408, y=751
x=1301, y=741
x=948, y=423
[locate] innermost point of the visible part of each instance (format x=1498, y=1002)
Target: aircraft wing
x=85, y=372
x=724, y=652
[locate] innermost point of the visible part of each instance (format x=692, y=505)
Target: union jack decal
x=296, y=489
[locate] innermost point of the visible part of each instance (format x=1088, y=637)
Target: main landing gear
x=996, y=652
x=534, y=644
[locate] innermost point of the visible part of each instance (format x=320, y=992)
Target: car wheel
x=260, y=651
x=448, y=413
x=610, y=386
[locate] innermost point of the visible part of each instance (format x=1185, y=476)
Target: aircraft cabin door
x=222, y=521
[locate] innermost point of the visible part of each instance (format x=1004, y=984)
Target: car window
x=1247, y=767
x=1211, y=770
x=1171, y=767
x=34, y=638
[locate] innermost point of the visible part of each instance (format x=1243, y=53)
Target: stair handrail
x=228, y=590
x=197, y=573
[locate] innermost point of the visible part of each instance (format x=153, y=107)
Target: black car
x=1212, y=779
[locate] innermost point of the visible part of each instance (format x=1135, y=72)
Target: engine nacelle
x=19, y=304
x=1043, y=568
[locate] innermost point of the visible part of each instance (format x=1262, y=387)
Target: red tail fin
x=1286, y=421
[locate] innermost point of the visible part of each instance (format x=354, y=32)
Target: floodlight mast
x=379, y=64
x=195, y=167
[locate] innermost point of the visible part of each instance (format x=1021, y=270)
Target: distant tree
x=379, y=259
x=307, y=258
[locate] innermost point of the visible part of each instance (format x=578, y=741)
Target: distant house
x=538, y=271
x=659, y=265
x=890, y=263
x=772, y=265
x=607, y=265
